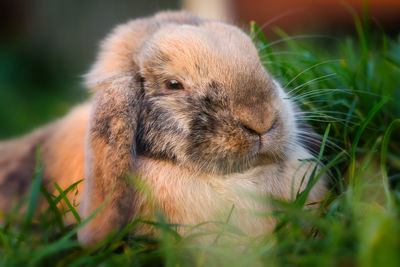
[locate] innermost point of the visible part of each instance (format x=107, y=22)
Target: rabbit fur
x=184, y=120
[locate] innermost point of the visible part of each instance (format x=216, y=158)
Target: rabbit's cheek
x=159, y=133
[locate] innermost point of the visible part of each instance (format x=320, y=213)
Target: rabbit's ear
x=110, y=156
x=110, y=144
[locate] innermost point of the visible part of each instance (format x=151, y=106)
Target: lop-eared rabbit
x=184, y=120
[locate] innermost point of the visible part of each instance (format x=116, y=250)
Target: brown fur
x=191, y=153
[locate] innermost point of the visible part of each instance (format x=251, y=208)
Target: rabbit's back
x=59, y=147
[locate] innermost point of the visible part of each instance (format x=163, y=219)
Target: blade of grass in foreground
x=360, y=131
x=313, y=179
x=384, y=150
x=33, y=195
x=66, y=200
x=65, y=242
x=227, y=221
x=53, y=208
x=66, y=191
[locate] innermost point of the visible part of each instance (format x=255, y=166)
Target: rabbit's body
x=61, y=146
x=184, y=196
x=185, y=107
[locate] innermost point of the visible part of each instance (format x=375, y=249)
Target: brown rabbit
x=183, y=105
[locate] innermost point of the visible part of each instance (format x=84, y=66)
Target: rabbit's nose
x=258, y=129
x=258, y=124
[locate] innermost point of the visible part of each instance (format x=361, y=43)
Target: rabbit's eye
x=174, y=85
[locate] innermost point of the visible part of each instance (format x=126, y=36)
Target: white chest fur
x=189, y=198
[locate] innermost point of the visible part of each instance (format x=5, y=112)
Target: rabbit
x=184, y=106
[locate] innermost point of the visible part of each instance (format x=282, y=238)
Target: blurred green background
x=45, y=48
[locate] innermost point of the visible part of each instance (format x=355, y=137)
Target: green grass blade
x=256, y=31
x=34, y=194
x=313, y=178
x=53, y=207
x=384, y=151
x=66, y=200
x=66, y=191
x=65, y=242
x=360, y=131
x=326, y=134
x=227, y=221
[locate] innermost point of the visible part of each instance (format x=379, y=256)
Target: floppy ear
x=110, y=144
x=110, y=155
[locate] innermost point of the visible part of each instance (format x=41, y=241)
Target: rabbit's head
x=177, y=88
x=207, y=103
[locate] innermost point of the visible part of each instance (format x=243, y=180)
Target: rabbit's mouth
x=235, y=155
x=226, y=165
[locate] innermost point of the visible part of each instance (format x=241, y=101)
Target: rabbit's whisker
x=310, y=68
x=319, y=92
x=321, y=78
x=280, y=53
x=276, y=18
x=295, y=37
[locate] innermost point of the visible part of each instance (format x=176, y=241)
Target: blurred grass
x=349, y=90
x=34, y=89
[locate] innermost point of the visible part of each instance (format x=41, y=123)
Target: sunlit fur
x=228, y=139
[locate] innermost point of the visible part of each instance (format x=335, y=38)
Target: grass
x=349, y=90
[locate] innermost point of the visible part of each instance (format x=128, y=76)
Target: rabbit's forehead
x=200, y=52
